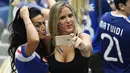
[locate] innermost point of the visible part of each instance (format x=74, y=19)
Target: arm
x=50, y=3
x=86, y=40
x=83, y=43
x=32, y=35
x=45, y=11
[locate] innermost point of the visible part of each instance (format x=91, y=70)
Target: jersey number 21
x=109, y=48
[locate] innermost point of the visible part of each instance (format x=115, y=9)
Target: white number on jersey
x=109, y=48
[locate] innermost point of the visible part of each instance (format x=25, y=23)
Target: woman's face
x=66, y=21
x=39, y=23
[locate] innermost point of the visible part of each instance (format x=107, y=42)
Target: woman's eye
x=70, y=15
x=38, y=24
x=63, y=17
x=44, y=22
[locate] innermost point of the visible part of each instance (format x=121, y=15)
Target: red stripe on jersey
x=19, y=51
x=44, y=59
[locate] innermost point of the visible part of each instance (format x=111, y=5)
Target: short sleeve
x=21, y=56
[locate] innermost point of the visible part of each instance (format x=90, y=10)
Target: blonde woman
x=67, y=58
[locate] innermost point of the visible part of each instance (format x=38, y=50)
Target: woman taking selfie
x=74, y=56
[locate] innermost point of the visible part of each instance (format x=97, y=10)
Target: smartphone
x=63, y=40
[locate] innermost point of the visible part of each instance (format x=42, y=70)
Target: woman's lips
x=44, y=33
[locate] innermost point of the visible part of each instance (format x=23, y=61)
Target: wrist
x=81, y=46
x=84, y=47
x=28, y=24
x=27, y=21
x=26, y=18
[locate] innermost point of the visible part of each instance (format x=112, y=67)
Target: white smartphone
x=63, y=40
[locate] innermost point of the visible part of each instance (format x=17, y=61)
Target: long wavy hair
x=18, y=36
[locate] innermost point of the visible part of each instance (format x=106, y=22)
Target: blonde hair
x=79, y=7
x=54, y=18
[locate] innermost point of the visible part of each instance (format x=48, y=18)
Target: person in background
x=112, y=5
x=114, y=33
x=87, y=16
x=104, y=7
x=46, y=3
x=72, y=57
x=43, y=5
x=28, y=41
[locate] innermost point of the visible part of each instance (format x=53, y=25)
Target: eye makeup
x=69, y=15
x=38, y=24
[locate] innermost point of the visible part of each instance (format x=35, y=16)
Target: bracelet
x=28, y=24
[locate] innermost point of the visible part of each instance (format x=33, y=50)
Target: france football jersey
x=115, y=48
x=29, y=64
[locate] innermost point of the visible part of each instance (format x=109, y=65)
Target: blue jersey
x=115, y=48
x=104, y=7
x=29, y=64
x=90, y=25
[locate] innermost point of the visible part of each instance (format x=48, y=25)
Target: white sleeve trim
x=20, y=57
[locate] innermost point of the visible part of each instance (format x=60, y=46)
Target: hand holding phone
x=78, y=42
